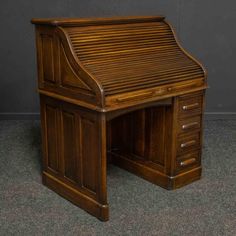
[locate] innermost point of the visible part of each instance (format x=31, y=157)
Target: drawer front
x=190, y=105
x=161, y=91
x=188, y=142
x=189, y=124
x=188, y=161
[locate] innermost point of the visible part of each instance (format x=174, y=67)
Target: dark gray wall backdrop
x=205, y=28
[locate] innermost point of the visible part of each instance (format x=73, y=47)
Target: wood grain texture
x=122, y=56
x=72, y=151
x=121, y=88
x=117, y=59
x=95, y=21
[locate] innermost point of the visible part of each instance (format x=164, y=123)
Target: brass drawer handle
x=191, y=106
x=188, y=144
x=187, y=162
x=190, y=125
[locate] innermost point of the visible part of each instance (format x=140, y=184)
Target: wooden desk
x=120, y=89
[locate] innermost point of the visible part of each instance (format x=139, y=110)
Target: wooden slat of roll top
x=105, y=38
x=124, y=42
x=123, y=37
x=125, y=64
x=154, y=75
x=152, y=81
x=145, y=56
x=125, y=55
x=124, y=50
x=158, y=70
x=139, y=68
x=147, y=79
x=132, y=57
x=117, y=27
x=132, y=61
x=143, y=44
x=87, y=54
x=106, y=35
x=111, y=46
x=136, y=86
x=81, y=33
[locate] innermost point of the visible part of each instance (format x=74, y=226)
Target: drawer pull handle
x=188, y=162
x=188, y=144
x=135, y=96
x=191, y=106
x=157, y=92
x=140, y=96
x=190, y=125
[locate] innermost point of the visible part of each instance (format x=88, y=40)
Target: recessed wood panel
x=127, y=132
x=69, y=78
x=122, y=133
x=90, y=153
x=47, y=58
x=71, y=156
x=52, y=137
x=157, y=127
x=139, y=131
x=116, y=133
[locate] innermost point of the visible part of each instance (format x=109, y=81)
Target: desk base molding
x=76, y=197
x=154, y=176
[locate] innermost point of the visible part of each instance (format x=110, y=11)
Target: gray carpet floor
x=137, y=207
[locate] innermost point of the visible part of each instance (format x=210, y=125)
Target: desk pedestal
x=161, y=144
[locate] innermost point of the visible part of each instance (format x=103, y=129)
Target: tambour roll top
x=114, y=61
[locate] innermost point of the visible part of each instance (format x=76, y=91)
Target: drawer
x=188, y=142
x=189, y=124
x=188, y=161
x=190, y=105
x=153, y=94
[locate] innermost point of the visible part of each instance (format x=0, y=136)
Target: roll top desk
x=121, y=90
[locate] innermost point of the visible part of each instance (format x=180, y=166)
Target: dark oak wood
x=121, y=90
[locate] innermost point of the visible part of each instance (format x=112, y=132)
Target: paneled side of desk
x=74, y=154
